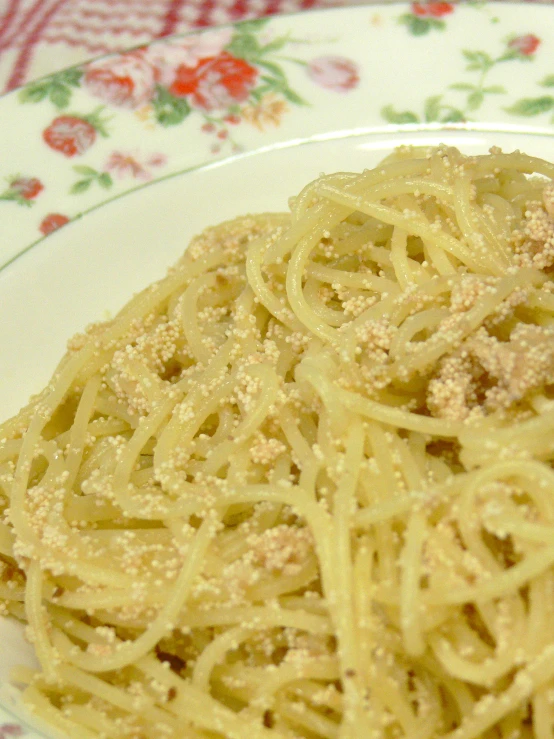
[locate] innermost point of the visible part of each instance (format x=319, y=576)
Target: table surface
x=38, y=37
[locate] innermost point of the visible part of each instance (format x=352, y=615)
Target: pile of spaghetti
x=303, y=485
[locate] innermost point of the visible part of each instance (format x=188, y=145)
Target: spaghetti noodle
x=303, y=485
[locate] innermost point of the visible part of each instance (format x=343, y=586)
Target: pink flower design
x=186, y=52
x=334, y=73
x=50, y=223
x=216, y=82
x=127, y=80
x=432, y=10
x=526, y=45
x=11, y=730
x=126, y=164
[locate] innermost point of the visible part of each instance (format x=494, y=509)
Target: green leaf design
x=510, y=55
x=462, y=86
x=292, y=96
x=245, y=46
x=532, y=106
x=548, y=81
x=33, y=93
x=170, y=110
x=80, y=186
x=84, y=170
x=14, y=196
x=475, y=100
x=494, y=90
x=252, y=25
x=436, y=23
x=454, y=115
x=70, y=76
x=478, y=60
x=432, y=108
x=416, y=26
x=275, y=69
x=56, y=87
x=391, y=115
x=60, y=95
x=105, y=180
x=275, y=45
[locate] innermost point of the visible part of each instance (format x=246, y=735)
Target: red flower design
x=70, y=135
x=215, y=82
x=127, y=80
x=433, y=10
x=52, y=222
x=26, y=187
x=526, y=45
x=334, y=73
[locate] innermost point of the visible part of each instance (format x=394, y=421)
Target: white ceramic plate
x=108, y=169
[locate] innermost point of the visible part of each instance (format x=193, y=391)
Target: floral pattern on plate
x=479, y=65
x=224, y=77
x=426, y=16
x=120, y=121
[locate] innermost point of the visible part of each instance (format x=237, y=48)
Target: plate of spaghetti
x=277, y=443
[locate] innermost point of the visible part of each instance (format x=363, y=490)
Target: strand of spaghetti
x=321, y=667
x=188, y=416
x=520, y=528
x=105, y=691
x=410, y=593
x=303, y=223
x=258, y=617
x=267, y=395
x=215, y=654
x=459, y=327
x=301, y=716
x=7, y=540
x=395, y=416
x=365, y=280
x=309, y=463
x=93, y=720
x=37, y=618
x=122, y=472
x=393, y=188
x=399, y=257
x=330, y=316
x=542, y=714
x=481, y=239
x=417, y=227
x=425, y=320
x=389, y=170
x=166, y=618
x=484, y=164
x=511, y=579
x=189, y=315
x=342, y=600
x=536, y=674
x=57, y=724
x=254, y=264
x=537, y=476
x=201, y=709
x=79, y=431
x=295, y=272
x=483, y=673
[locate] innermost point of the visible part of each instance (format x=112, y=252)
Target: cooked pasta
x=303, y=486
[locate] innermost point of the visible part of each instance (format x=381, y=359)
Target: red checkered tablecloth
x=38, y=37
